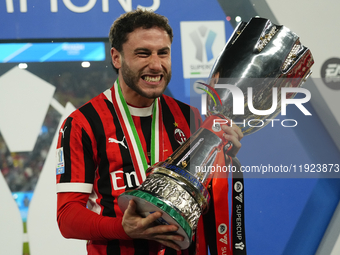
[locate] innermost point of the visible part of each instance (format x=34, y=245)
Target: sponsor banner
x=202, y=41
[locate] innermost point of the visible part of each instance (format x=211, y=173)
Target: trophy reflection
x=259, y=55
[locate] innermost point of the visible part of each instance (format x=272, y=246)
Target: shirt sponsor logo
x=118, y=182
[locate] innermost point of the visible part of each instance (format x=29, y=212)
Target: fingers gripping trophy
x=259, y=55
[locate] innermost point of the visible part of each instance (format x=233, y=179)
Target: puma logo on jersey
x=63, y=131
x=112, y=140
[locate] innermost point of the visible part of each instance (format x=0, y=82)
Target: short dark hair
x=132, y=20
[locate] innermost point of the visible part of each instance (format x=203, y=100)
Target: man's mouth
x=149, y=78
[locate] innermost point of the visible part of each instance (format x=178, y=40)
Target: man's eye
x=143, y=54
x=163, y=53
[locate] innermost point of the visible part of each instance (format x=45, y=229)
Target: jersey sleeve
x=75, y=169
x=76, y=221
x=75, y=161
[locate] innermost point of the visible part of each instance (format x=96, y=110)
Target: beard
x=131, y=79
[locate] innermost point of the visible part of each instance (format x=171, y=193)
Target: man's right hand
x=144, y=228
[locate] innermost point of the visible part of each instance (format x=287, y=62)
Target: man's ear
x=116, y=58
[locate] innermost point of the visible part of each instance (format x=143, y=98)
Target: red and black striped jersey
x=93, y=156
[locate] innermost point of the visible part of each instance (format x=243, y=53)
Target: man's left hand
x=234, y=135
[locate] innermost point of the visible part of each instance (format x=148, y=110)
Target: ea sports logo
x=238, y=186
x=330, y=73
x=222, y=228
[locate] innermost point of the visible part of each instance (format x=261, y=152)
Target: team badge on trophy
x=259, y=54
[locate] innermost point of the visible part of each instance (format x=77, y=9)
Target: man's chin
x=153, y=94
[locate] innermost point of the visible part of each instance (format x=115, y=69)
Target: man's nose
x=155, y=62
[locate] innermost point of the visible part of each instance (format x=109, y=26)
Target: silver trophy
x=269, y=56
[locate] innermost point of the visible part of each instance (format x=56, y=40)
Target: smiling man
x=145, y=65
x=109, y=142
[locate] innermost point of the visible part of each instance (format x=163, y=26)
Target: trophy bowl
x=259, y=54
x=264, y=57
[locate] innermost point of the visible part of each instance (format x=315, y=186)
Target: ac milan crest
x=179, y=136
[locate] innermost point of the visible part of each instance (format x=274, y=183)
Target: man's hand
x=234, y=135
x=145, y=228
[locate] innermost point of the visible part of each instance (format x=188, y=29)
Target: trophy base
x=147, y=204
